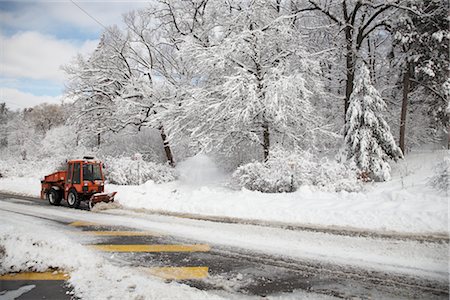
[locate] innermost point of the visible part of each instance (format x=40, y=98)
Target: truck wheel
x=73, y=200
x=54, y=197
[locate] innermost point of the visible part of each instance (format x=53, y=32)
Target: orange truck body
x=82, y=181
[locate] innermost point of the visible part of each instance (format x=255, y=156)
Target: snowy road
x=240, y=261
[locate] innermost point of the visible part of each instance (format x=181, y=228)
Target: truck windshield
x=91, y=172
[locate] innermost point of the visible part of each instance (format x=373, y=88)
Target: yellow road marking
x=121, y=233
x=82, y=223
x=35, y=276
x=152, y=248
x=179, y=273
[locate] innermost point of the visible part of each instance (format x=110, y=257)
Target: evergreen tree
x=367, y=137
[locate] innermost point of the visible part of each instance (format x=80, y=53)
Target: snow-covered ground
x=37, y=247
x=407, y=203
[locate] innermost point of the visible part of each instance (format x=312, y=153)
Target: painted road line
x=179, y=273
x=121, y=233
x=35, y=276
x=152, y=248
x=82, y=223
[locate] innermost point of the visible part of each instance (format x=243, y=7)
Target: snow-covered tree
x=422, y=35
x=45, y=117
x=22, y=139
x=97, y=83
x=368, y=141
x=112, y=88
x=255, y=81
x=355, y=22
x=4, y=116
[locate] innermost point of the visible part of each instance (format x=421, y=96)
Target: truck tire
x=73, y=199
x=54, y=197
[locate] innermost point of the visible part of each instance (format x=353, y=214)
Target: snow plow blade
x=102, y=197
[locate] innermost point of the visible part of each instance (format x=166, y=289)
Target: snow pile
x=134, y=170
x=200, y=170
x=286, y=172
x=105, y=206
x=40, y=248
x=32, y=251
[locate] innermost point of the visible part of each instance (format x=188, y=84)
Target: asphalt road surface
x=236, y=272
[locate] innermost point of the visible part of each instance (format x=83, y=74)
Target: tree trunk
x=167, y=148
x=406, y=86
x=266, y=139
x=350, y=71
x=98, y=139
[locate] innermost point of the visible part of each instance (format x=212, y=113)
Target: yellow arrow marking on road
x=179, y=273
x=152, y=248
x=121, y=233
x=35, y=276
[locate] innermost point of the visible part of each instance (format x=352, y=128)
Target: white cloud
x=17, y=99
x=37, y=37
x=44, y=15
x=38, y=56
x=105, y=12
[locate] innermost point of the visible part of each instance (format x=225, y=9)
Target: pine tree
x=367, y=137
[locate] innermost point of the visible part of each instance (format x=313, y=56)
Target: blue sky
x=37, y=37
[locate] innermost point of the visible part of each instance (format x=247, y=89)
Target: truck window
x=91, y=172
x=76, y=173
x=69, y=173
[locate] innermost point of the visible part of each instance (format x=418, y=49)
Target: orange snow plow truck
x=82, y=181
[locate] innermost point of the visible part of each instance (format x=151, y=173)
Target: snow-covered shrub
x=334, y=176
x=441, y=178
x=259, y=177
x=134, y=170
x=286, y=171
x=276, y=175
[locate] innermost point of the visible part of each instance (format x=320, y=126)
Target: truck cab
x=85, y=177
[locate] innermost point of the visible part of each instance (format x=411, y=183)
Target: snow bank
x=405, y=204
x=24, y=186
x=38, y=248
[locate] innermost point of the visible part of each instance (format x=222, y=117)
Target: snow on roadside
x=38, y=248
x=405, y=204
x=25, y=186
